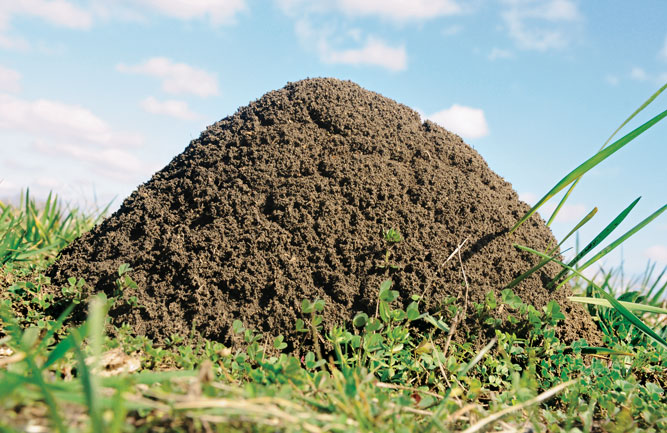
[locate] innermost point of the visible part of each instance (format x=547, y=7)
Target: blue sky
x=97, y=95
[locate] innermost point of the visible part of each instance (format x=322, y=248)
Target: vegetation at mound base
x=382, y=374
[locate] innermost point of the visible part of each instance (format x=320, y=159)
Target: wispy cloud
x=662, y=54
x=55, y=120
x=61, y=13
x=400, y=10
x=657, y=253
x=373, y=52
x=72, y=15
x=172, y=108
x=540, y=25
x=112, y=161
x=497, y=53
x=394, y=10
x=452, y=30
x=10, y=80
x=317, y=27
x=466, y=121
x=218, y=11
x=177, y=78
x=13, y=43
x=611, y=79
x=569, y=213
x=529, y=197
x=638, y=74
x=71, y=132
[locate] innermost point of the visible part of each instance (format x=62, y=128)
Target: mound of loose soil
x=287, y=200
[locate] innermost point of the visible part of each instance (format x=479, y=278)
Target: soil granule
x=288, y=199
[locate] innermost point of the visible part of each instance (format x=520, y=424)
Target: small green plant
x=312, y=323
x=391, y=237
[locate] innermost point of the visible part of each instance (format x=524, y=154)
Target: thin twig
x=454, y=252
x=461, y=411
x=460, y=315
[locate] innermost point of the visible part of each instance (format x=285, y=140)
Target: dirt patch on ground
x=287, y=200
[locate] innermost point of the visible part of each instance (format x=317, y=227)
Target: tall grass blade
x=657, y=296
x=614, y=303
x=90, y=388
x=11, y=326
x=625, y=122
x=69, y=343
x=541, y=264
x=632, y=306
x=589, y=164
x=86, y=372
x=597, y=240
x=617, y=242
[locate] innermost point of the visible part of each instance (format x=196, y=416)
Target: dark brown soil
x=287, y=200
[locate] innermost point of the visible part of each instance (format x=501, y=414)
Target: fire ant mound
x=288, y=199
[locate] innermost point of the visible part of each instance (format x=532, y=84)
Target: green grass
x=398, y=370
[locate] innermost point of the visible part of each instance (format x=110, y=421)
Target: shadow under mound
x=287, y=200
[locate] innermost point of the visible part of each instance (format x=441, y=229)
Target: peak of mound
x=287, y=200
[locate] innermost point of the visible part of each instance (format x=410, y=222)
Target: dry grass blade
x=546, y=395
x=261, y=409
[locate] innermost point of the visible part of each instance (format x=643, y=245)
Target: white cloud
x=612, y=80
x=219, y=11
x=395, y=10
x=58, y=12
x=498, y=53
x=465, y=121
x=657, y=253
x=539, y=25
x=374, y=53
x=662, y=54
x=594, y=273
x=7, y=187
x=73, y=132
x=177, y=78
x=172, y=108
x=568, y=213
x=112, y=161
x=10, y=80
x=452, y=30
x=56, y=120
x=529, y=197
x=400, y=10
x=13, y=43
x=638, y=74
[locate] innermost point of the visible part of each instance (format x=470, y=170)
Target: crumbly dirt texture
x=287, y=200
